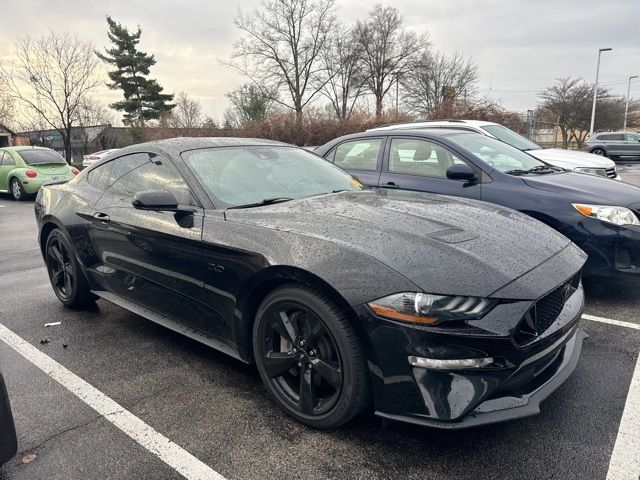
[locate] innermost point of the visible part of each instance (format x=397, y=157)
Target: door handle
x=101, y=217
x=390, y=185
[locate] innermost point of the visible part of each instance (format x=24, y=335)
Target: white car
x=573, y=160
x=92, y=158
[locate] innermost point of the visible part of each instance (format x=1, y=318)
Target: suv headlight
x=601, y=172
x=610, y=214
x=429, y=309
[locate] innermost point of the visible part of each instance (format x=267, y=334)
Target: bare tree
x=7, y=109
x=343, y=82
x=51, y=76
x=570, y=100
x=249, y=104
x=187, y=113
x=437, y=78
x=92, y=116
x=388, y=48
x=282, y=46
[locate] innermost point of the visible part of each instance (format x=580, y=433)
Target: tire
x=67, y=279
x=17, y=190
x=310, y=360
x=599, y=151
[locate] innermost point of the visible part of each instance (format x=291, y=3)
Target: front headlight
x=615, y=215
x=428, y=309
x=601, y=172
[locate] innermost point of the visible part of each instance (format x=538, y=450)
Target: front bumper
x=522, y=376
x=614, y=251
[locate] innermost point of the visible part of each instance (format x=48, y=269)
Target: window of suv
x=611, y=137
x=631, y=137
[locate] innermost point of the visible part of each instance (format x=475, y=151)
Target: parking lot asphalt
x=216, y=409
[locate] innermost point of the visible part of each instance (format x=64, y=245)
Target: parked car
x=573, y=160
x=92, y=158
x=614, y=144
x=8, y=440
x=435, y=309
x=600, y=216
x=23, y=170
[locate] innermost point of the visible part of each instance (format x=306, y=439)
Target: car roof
x=24, y=147
x=178, y=145
x=440, y=132
x=434, y=123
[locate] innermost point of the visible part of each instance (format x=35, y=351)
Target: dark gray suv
x=614, y=144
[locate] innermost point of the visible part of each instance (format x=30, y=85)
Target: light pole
x=595, y=90
x=626, y=105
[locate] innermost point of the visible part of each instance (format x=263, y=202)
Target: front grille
x=611, y=172
x=544, y=312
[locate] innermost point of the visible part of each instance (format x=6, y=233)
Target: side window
x=7, y=159
x=126, y=164
x=100, y=177
x=420, y=157
x=155, y=173
x=604, y=138
x=359, y=154
x=629, y=137
x=617, y=137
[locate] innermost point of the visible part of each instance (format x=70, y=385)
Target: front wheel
x=310, y=358
x=67, y=279
x=599, y=151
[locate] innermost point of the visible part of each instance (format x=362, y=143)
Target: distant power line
x=518, y=90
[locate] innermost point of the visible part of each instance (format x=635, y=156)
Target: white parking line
x=170, y=453
x=625, y=458
x=610, y=321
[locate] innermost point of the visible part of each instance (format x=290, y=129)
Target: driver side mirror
x=155, y=200
x=461, y=172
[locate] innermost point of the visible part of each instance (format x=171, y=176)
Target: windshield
x=514, y=139
x=497, y=154
x=39, y=157
x=246, y=175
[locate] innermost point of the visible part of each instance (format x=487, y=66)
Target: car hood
x=442, y=244
x=571, y=159
x=578, y=187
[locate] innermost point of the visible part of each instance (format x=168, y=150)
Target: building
x=6, y=136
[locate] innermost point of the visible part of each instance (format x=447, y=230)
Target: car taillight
x=74, y=170
x=31, y=173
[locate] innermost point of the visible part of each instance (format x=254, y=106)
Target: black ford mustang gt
x=439, y=311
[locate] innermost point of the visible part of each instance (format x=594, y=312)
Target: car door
x=361, y=157
x=631, y=144
x=7, y=163
x=614, y=143
x=412, y=163
x=153, y=258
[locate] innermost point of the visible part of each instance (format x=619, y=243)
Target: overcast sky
x=521, y=46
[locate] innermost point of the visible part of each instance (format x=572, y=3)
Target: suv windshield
x=256, y=175
x=498, y=154
x=514, y=139
x=39, y=157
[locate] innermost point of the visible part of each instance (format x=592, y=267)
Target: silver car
x=614, y=144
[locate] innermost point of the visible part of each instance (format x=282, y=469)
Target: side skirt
x=152, y=315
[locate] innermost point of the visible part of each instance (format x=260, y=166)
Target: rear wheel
x=309, y=357
x=67, y=279
x=599, y=151
x=17, y=190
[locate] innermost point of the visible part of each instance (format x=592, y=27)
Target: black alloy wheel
x=310, y=358
x=599, y=151
x=67, y=280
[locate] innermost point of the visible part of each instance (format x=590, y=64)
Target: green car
x=23, y=170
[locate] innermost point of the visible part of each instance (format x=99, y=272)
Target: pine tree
x=143, y=97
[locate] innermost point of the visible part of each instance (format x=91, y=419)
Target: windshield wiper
x=517, y=172
x=538, y=169
x=265, y=201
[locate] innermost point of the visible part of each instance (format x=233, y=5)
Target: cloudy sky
x=521, y=46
